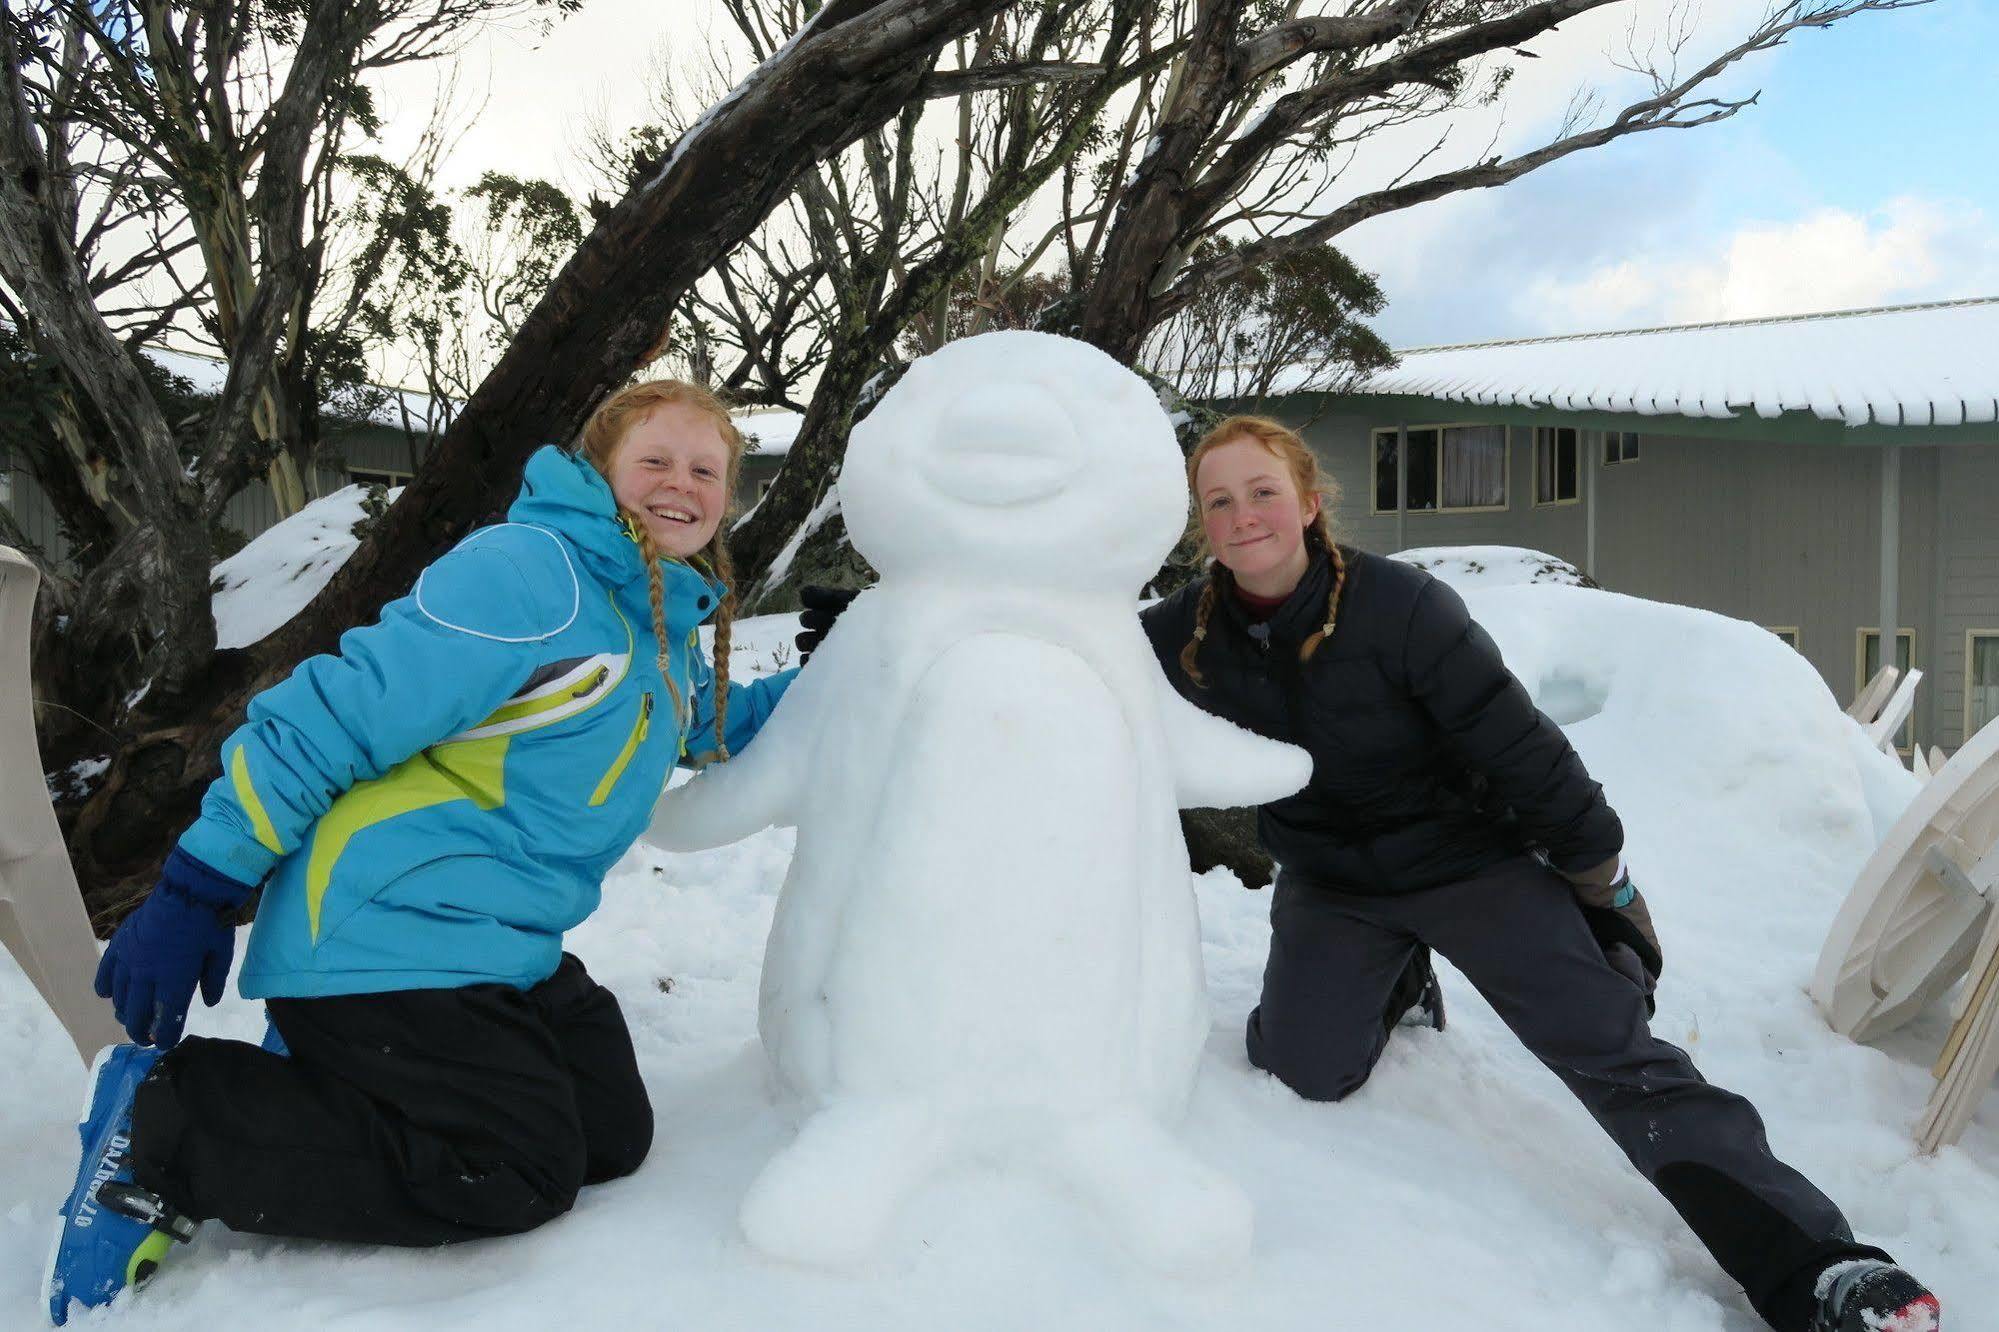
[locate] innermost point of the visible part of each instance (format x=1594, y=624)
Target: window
x=1621, y=446
x=374, y=476
x=1787, y=633
x=1557, y=465
x=1870, y=662
x=1981, y=679
x=1451, y=468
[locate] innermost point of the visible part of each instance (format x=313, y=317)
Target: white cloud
x=1910, y=249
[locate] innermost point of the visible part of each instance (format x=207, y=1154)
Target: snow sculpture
x=987, y=946
x=42, y=922
x=1911, y=924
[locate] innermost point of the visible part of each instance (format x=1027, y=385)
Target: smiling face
x=671, y=471
x=1253, y=517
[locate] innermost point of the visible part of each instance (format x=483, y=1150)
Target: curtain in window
x=1474, y=466
x=1984, y=670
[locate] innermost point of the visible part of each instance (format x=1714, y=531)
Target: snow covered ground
x=1460, y=1189
x=1472, y=568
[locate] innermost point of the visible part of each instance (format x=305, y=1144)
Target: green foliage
x=529, y=228
x=1302, y=309
x=1009, y=299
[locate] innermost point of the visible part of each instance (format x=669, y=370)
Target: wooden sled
x=1873, y=695
x=1909, y=927
x=1970, y=1055
x=1881, y=730
x=42, y=921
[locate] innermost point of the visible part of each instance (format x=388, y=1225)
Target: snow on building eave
x=1918, y=366
x=208, y=372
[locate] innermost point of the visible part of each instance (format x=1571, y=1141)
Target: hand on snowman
x=822, y=606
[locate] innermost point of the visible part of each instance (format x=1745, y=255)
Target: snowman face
x=1016, y=458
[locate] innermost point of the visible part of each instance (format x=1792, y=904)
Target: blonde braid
x=1324, y=532
x=656, y=589
x=725, y=623
x=1210, y=594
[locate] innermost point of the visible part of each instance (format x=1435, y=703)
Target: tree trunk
x=1141, y=252
x=39, y=262
x=1227, y=838
x=810, y=470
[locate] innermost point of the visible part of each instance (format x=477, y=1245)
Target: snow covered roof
x=771, y=433
x=208, y=374
x=1907, y=365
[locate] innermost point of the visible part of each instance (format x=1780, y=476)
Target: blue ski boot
x=112, y=1234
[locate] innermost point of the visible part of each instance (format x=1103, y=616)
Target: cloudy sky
x=1852, y=182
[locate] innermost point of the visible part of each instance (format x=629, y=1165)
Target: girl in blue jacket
x=427, y=811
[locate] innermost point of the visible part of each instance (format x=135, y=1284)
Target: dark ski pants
x=1517, y=934
x=408, y=1117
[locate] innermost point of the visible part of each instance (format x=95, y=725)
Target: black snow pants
x=411, y=1117
x=1516, y=933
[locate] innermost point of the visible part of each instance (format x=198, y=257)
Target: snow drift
x=1460, y=1189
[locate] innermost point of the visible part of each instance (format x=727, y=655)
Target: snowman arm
x=1219, y=765
x=727, y=802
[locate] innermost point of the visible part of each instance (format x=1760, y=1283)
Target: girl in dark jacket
x=1445, y=811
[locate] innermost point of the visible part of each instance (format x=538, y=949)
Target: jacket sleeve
x=1168, y=624
x=1455, y=673
x=438, y=661
x=750, y=707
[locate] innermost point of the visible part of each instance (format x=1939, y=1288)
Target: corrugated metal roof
x=1909, y=365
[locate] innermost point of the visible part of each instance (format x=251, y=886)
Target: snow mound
x=1468, y=568
x=1462, y=1184
x=1712, y=738
x=283, y=567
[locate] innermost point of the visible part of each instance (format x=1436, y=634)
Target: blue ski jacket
x=436, y=803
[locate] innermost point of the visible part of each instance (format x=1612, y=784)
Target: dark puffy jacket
x=1430, y=762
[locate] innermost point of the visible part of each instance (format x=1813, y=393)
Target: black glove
x=1622, y=926
x=822, y=606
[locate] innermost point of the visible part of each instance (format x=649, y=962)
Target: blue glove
x=177, y=936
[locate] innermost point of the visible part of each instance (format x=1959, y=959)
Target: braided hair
x=1284, y=444
x=602, y=435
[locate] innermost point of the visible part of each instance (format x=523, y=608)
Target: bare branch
x=991, y=78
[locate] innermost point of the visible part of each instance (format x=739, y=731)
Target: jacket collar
x=563, y=492
x=1302, y=613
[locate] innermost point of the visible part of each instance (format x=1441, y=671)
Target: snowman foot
x=1171, y=1211
x=827, y=1199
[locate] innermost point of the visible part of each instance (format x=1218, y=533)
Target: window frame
x=1971, y=637
x=1622, y=435
x=1577, y=498
x=396, y=476
x=1782, y=629
x=1860, y=674
x=1505, y=470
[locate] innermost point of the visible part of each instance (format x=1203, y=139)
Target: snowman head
x=1017, y=457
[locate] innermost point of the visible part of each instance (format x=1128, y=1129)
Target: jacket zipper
x=640, y=729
